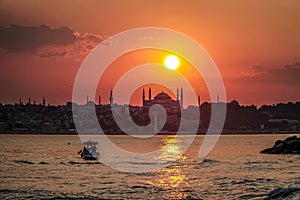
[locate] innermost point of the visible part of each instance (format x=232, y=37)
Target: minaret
x=177, y=94
x=20, y=101
x=87, y=99
x=155, y=123
x=181, y=98
x=149, y=93
x=111, y=99
x=99, y=100
x=199, y=101
x=143, y=97
x=34, y=102
x=44, y=101
x=218, y=99
x=29, y=101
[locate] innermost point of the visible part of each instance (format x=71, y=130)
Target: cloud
x=89, y=36
x=22, y=39
x=286, y=75
x=259, y=68
x=45, y=42
x=58, y=54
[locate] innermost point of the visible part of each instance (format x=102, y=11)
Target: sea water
x=48, y=167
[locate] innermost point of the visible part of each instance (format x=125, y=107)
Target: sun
x=171, y=62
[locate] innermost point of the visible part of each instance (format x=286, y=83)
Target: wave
x=29, y=162
x=144, y=163
x=43, y=163
x=251, y=196
x=207, y=160
x=82, y=163
x=67, y=163
x=38, y=194
x=259, y=162
x=23, y=162
x=139, y=186
x=283, y=192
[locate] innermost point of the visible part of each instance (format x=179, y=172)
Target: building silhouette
x=163, y=99
x=111, y=98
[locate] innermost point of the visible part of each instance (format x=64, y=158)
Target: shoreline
x=162, y=134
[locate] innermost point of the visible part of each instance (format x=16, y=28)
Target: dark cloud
x=259, y=68
x=44, y=42
x=88, y=36
x=19, y=39
x=295, y=65
x=55, y=54
x=286, y=75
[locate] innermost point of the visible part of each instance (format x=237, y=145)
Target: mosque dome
x=162, y=96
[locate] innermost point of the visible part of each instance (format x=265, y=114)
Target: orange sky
x=256, y=45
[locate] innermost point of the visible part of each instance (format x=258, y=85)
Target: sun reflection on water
x=171, y=149
x=172, y=179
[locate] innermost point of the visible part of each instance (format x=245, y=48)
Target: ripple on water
x=207, y=163
x=83, y=163
x=23, y=162
x=283, y=193
x=30, y=163
x=43, y=163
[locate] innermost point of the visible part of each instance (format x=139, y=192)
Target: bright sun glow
x=171, y=62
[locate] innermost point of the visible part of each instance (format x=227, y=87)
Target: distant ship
x=89, y=151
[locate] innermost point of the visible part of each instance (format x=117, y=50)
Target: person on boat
x=83, y=152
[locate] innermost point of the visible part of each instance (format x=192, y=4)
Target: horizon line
x=91, y=101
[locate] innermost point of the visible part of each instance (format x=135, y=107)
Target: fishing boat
x=89, y=151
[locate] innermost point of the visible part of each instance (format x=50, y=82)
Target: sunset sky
x=255, y=44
